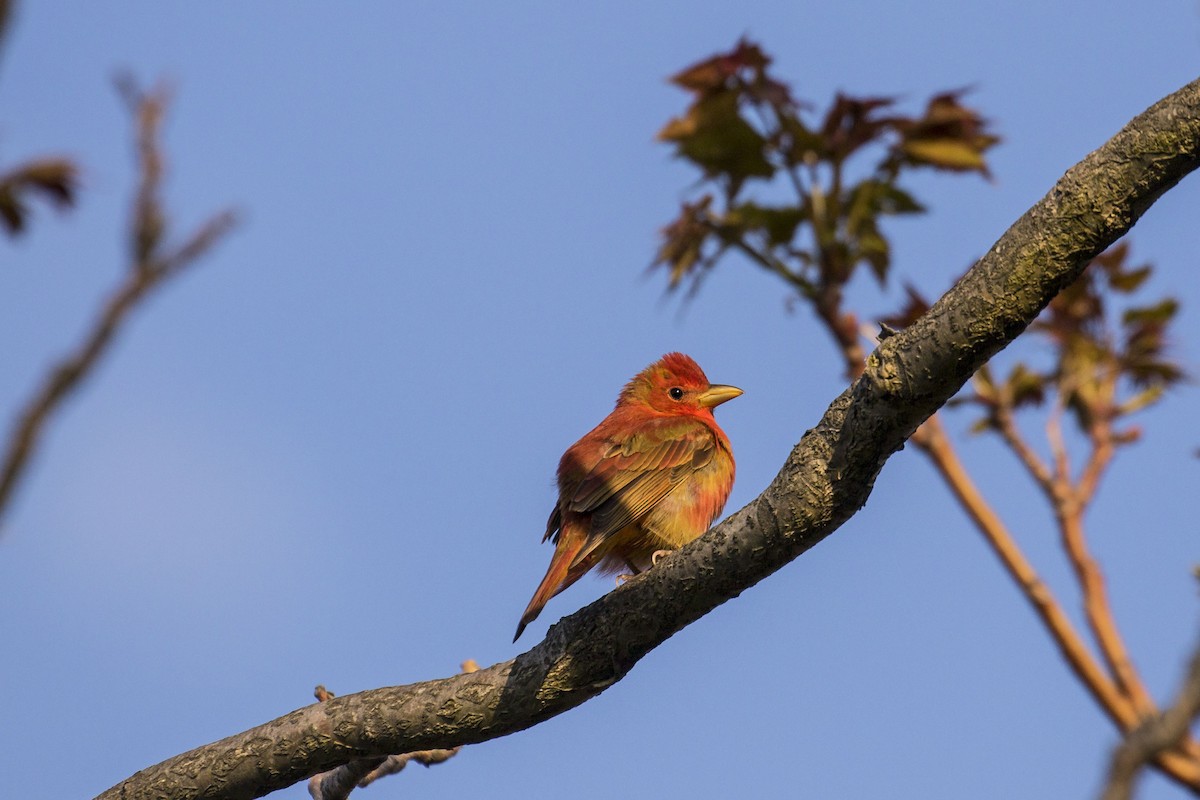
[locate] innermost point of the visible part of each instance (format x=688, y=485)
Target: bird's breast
x=689, y=509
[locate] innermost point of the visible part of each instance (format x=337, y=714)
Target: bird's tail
x=559, y=575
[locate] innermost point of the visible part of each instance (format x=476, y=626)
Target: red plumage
x=652, y=476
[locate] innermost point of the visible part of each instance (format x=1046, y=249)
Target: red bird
x=650, y=478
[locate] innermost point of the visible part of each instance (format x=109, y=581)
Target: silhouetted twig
x=151, y=263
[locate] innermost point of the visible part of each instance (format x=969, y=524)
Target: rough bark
x=826, y=479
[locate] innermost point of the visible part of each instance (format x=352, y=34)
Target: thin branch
x=1155, y=736
x=1068, y=503
x=1012, y=436
x=933, y=442
x=1099, y=614
x=337, y=784
x=149, y=268
x=1123, y=705
x=1103, y=448
x=828, y=476
x=764, y=259
x=1058, y=449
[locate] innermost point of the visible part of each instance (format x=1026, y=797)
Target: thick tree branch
x=826, y=479
x=337, y=784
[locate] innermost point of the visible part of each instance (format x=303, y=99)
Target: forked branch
x=151, y=264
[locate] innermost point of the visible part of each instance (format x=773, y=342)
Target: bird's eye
x=676, y=393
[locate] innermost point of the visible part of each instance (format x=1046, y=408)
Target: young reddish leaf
x=914, y=307
x=1153, y=372
x=1158, y=314
x=12, y=210
x=683, y=241
x=1143, y=399
x=1120, y=278
x=873, y=197
x=985, y=387
x=715, y=72
x=714, y=136
x=952, y=154
x=894, y=200
x=778, y=224
x=797, y=143
x=1143, y=359
x=55, y=179
x=1025, y=387
x=851, y=122
x=984, y=423
x=1128, y=281
x=875, y=250
x=950, y=136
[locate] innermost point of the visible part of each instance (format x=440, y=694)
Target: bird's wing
x=638, y=470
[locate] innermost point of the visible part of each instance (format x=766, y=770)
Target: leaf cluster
x=1107, y=362
x=748, y=134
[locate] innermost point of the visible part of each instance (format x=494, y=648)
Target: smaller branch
x=1122, y=696
x=1098, y=610
x=1101, y=435
x=1069, y=501
x=338, y=783
x=843, y=327
x=393, y=764
x=931, y=438
x=1058, y=448
x=149, y=221
x=148, y=269
x=764, y=260
x=1012, y=436
x=1155, y=736
x=797, y=181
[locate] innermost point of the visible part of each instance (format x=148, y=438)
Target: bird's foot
x=657, y=554
x=624, y=577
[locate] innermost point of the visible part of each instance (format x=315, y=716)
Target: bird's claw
x=657, y=554
x=624, y=577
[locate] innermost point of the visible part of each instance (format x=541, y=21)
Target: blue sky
x=326, y=454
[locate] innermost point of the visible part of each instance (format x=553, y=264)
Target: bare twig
x=1154, y=736
x=1069, y=501
x=1103, y=447
x=1098, y=611
x=932, y=440
x=1058, y=446
x=1013, y=437
x=150, y=265
x=5, y=14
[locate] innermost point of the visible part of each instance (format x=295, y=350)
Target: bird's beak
x=716, y=394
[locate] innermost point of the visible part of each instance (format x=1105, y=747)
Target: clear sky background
x=326, y=454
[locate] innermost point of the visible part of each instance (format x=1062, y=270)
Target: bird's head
x=675, y=384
